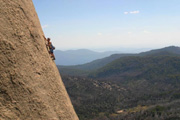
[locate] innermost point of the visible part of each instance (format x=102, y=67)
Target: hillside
x=145, y=87
x=30, y=85
x=140, y=67
x=80, y=56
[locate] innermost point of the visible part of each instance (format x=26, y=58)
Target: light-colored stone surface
x=30, y=85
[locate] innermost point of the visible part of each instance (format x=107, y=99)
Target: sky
x=110, y=24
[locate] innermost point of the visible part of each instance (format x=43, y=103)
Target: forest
x=130, y=87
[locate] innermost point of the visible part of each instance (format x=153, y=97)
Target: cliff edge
x=30, y=85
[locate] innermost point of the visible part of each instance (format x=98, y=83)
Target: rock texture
x=30, y=85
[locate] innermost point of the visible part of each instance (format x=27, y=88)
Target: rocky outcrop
x=30, y=85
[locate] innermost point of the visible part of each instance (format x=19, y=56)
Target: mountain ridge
x=96, y=64
x=134, y=64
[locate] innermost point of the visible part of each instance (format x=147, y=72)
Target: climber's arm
x=44, y=37
x=45, y=41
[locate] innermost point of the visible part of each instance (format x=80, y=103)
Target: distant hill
x=81, y=56
x=96, y=64
x=163, y=51
x=137, y=67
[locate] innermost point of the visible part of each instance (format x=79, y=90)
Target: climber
x=50, y=46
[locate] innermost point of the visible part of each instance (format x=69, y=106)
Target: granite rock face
x=30, y=85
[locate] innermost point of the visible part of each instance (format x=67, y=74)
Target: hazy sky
x=96, y=24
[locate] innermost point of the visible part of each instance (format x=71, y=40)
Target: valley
x=130, y=87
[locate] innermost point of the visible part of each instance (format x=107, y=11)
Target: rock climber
x=50, y=46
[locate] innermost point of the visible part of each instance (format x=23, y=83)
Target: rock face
x=30, y=85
